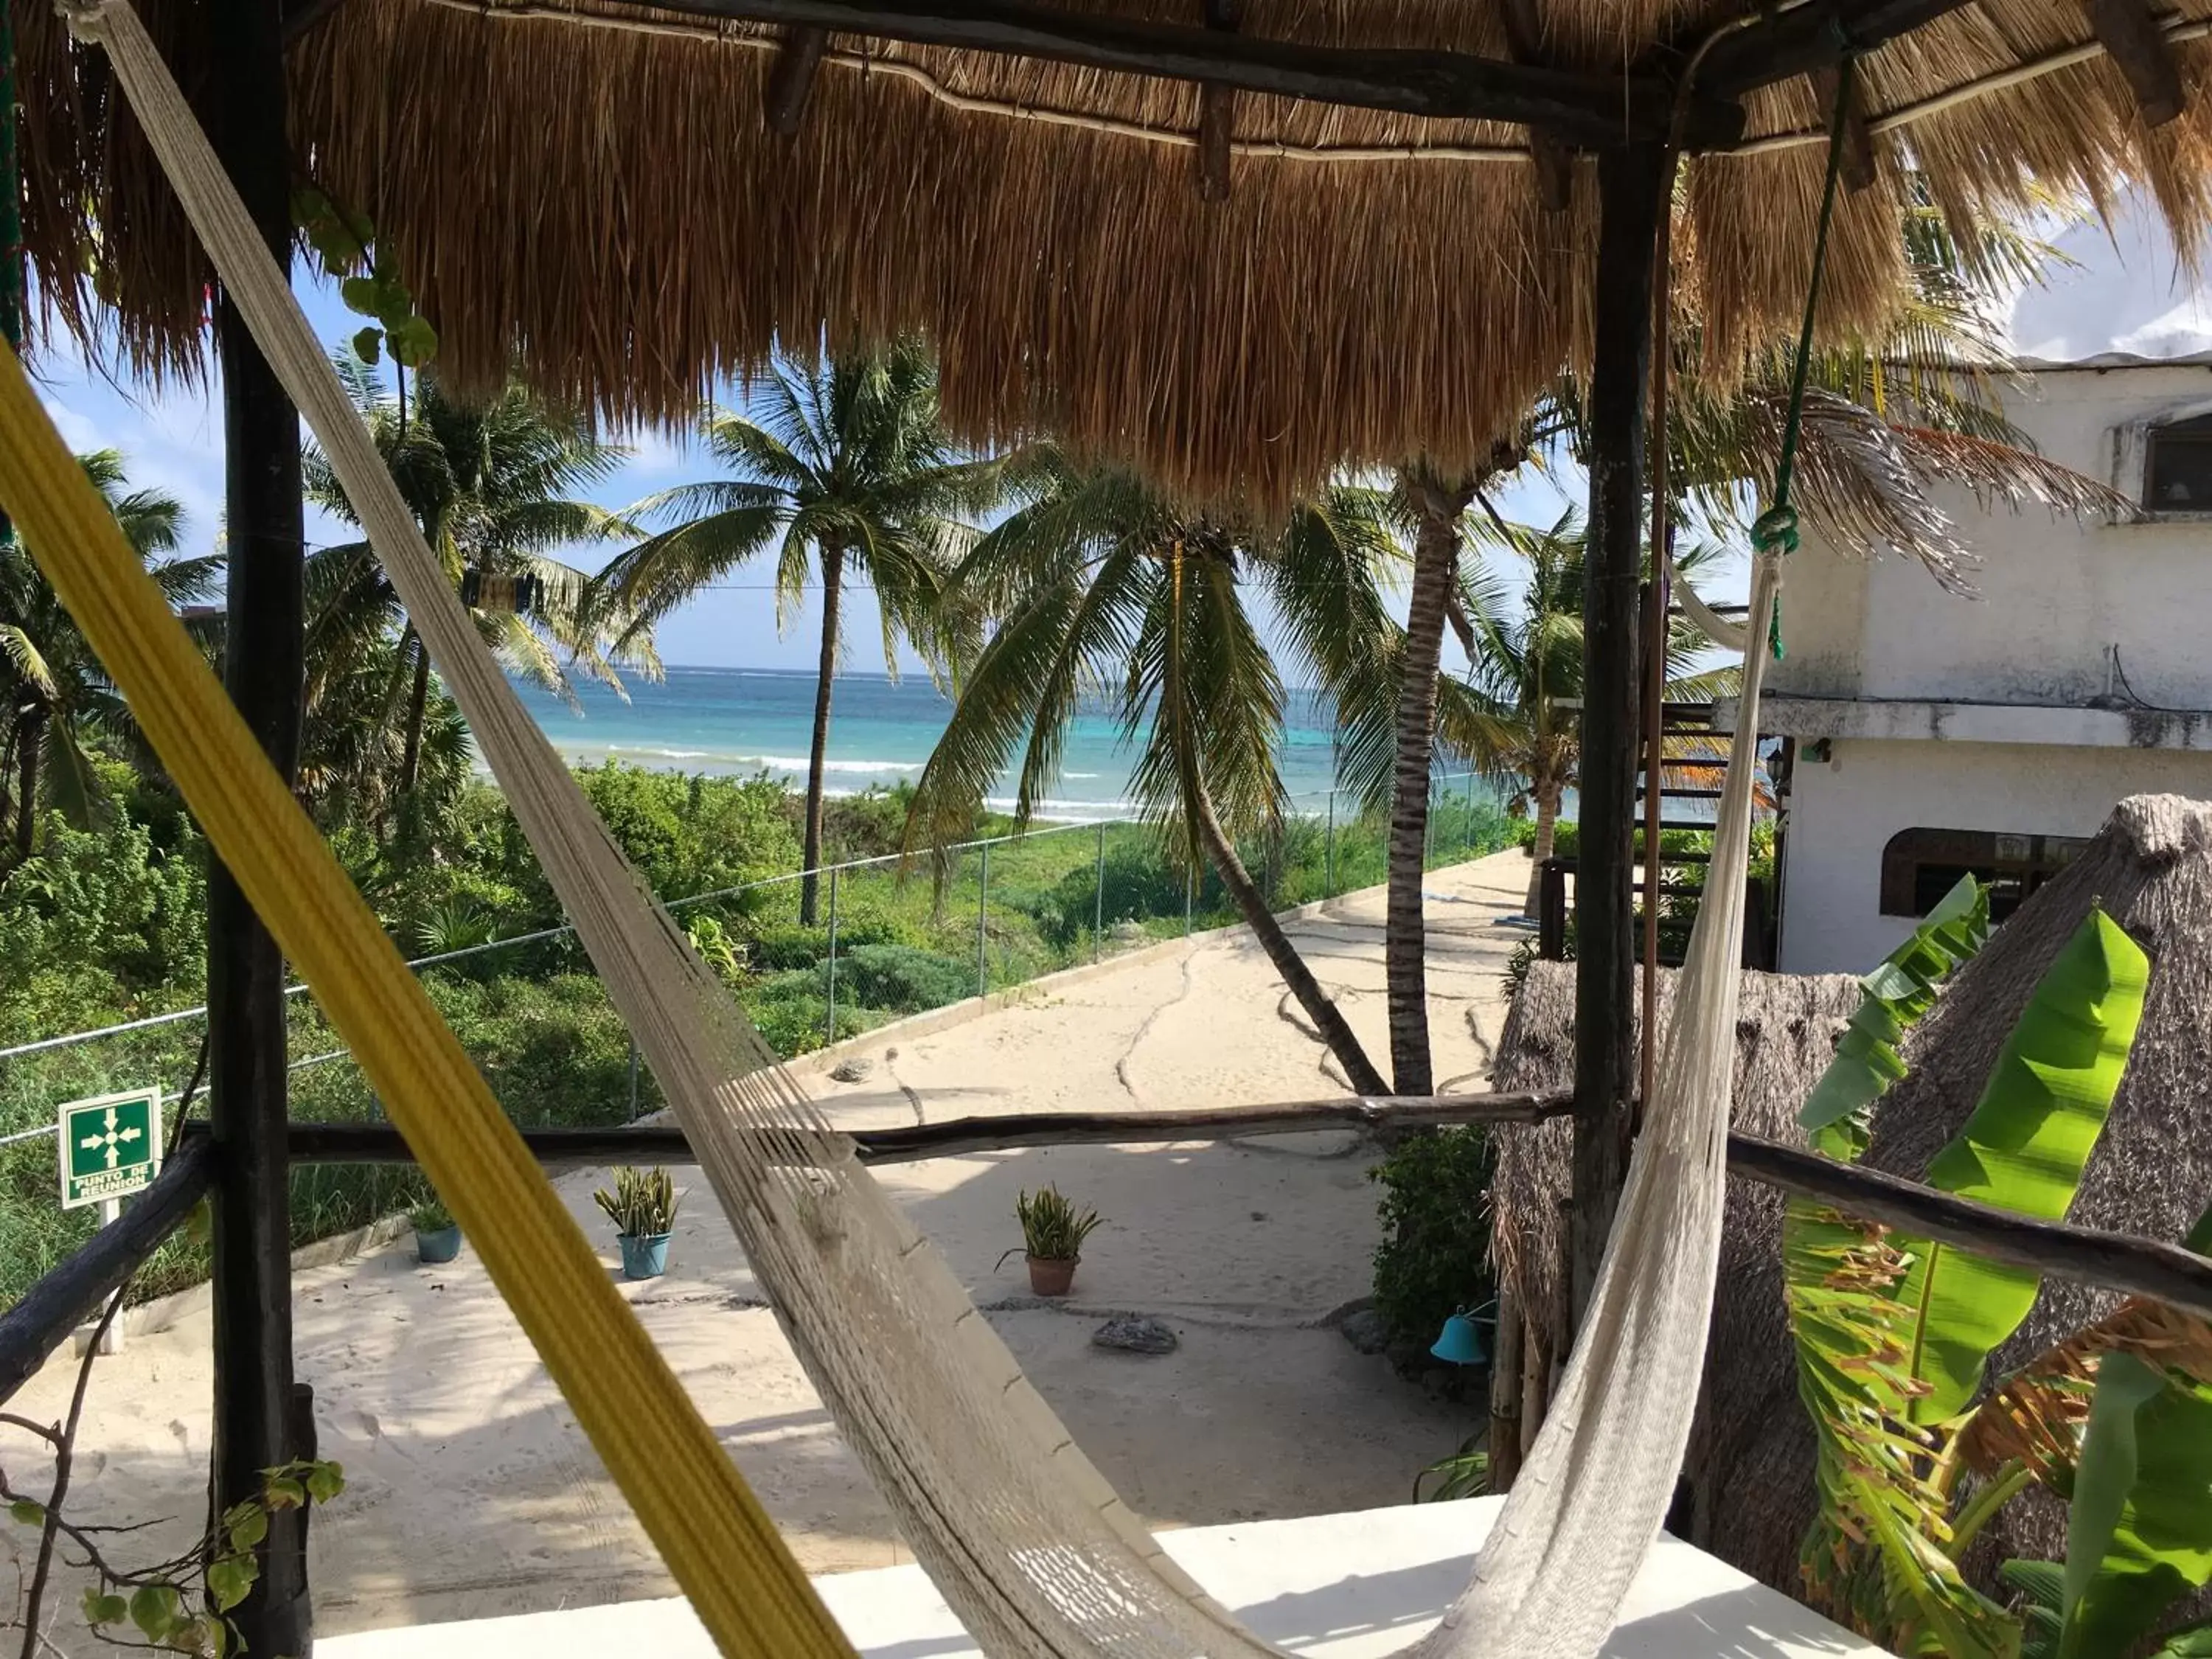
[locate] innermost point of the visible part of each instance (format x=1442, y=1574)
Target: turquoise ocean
x=740, y=721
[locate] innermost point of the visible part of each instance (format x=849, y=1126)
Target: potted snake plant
x=643, y=1206
x=1053, y=1231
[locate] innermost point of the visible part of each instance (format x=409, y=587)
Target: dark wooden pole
x=252, y=1292
x=1629, y=193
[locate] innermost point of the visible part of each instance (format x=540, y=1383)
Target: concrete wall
x=2055, y=594
x=1843, y=812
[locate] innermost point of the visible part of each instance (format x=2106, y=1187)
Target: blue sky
x=172, y=440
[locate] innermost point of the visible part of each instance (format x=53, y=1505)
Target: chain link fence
x=889, y=937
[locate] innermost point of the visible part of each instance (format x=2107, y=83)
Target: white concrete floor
x=1331, y=1586
x=471, y=1491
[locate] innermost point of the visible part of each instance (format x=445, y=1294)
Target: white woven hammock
x=1027, y=1541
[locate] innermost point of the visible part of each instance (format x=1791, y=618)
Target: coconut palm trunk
x=1547, y=796
x=30, y=737
x=418, y=702
x=1328, y=1020
x=1436, y=562
x=833, y=563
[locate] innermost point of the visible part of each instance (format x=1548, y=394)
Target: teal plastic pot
x=644, y=1258
x=441, y=1245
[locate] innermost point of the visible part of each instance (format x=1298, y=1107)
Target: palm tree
x=844, y=468
x=493, y=489
x=1886, y=420
x=1101, y=585
x=1525, y=669
x=54, y=694
x=354, y=754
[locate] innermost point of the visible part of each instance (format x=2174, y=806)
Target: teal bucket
x=644, y=1258
x=441, y=1245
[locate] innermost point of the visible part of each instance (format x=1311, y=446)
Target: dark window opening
x=2178, y=478
x=1918, y=867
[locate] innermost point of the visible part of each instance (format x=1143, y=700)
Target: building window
x=2179, y=476
x=1918, y=867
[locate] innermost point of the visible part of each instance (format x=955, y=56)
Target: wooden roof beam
x=1217, y=112
x=792, y=81
x=1858, y=141
x=2131, y=35
x=1555, y=179
x=1588, y=110
x=1815, y=36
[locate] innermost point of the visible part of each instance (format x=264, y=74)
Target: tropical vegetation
x=56, y=701
x=495, y=490
x=1525, y=672
x=1918, y=1451
x=1098, y=580
x=842, y=468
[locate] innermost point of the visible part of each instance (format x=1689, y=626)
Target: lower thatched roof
x=1752, y=1459
x=1785, y=1026
x=589, y=189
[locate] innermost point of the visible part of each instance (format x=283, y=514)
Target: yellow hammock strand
x=709, y=1528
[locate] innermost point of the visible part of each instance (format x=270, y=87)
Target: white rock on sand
x=471, y=1491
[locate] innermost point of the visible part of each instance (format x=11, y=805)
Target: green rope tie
x=1775, y=532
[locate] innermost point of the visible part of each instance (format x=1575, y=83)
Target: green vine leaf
x=360, y=294
x=29, y=1513
x=100, y=1608
x=282, y=1492
x=230, y=1580
x=249, y=1527
x=154, y=1609
x=325, y=1481
x=414, y=342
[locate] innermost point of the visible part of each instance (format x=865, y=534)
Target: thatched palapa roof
x=589, y=189
x=1752, y=1458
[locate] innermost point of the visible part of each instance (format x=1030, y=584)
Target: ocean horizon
x=737, y=722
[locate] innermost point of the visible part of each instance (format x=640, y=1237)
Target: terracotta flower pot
x=1050, y=1277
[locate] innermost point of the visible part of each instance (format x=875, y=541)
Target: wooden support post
x=1217, y=113
x=791, y=80
x=1505, y=1384
x=1524, y=38
x=253, y=1244
x=1630, y=197
x=1535, y=1393
x=1858, y=142
x=2130, y=33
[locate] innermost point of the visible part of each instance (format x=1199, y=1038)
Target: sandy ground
x=471, y=1491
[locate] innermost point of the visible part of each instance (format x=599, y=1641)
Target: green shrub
x=899, y=979
x=1140, y=885
x=791, y=1011
x=103, y=910
x=1434, y=1258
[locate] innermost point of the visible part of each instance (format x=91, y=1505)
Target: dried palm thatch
x=1785, y=1026
x=1751, y=1461
x=589, y=189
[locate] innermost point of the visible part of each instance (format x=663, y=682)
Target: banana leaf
x=1894, y=997
x=1878, y=1555
x=2023, y=1149
x=2139, y=1531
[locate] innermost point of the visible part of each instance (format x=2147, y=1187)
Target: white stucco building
x=1934, y=734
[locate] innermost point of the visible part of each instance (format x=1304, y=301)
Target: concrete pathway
x=471, y=1491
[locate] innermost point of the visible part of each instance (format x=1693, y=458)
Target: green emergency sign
x=111, y=1146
